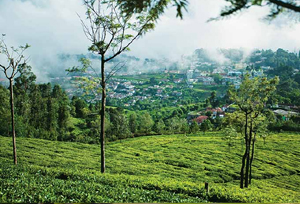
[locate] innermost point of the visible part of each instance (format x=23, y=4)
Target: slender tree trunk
x=242, y=169
x=102, y=113
x=245, y=155
x=251, y=160
x=11, y=89
x=248, y=157
x=242, y=142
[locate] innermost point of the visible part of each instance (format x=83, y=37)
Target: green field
x=170, y=168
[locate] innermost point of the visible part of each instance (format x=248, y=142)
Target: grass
x=149, y=169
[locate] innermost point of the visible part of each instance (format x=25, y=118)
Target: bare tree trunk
x=251, y=160
x=102, y=113
x=242, y=170
x=245, y=155
x=242, y=142
x=248, y=157
x=11, y=89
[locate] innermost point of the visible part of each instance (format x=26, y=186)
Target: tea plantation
x=169, y=168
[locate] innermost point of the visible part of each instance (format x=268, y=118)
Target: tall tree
x=145, y=123
x=119, y=124
x=206, y=125
x=15, y=58
x=133, y=123
x=251, y=98
x=194, y=128
x=159, y=126
x=63, y=106
x=213, y=99
x=36, y=110
x=24, y=83
x=111, y=33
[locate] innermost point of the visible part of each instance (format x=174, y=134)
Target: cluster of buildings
x=212, y=113
x=134, y=90
x=124, y=89
x=119, y=88
x=285, y=112
x=225, y=77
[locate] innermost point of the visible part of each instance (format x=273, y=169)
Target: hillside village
x=130, y=89
x=169, y=87
x=121, y=88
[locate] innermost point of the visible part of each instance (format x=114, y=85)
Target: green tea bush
x=169, y=168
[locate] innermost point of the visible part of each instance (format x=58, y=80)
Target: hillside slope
x=149, y=169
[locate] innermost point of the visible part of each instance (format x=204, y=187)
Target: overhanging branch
x=287, y=5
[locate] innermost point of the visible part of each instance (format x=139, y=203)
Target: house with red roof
x=200, y=119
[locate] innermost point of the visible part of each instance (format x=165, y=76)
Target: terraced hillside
x=150, y=169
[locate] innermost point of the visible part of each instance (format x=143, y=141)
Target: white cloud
x=49, y=26
x=247, y=29
x=52, y=26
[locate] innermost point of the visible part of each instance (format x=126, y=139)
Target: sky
x=52, y=27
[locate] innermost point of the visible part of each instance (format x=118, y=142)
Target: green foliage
x=155, y=8
x=276, y=7
x=289, y=125
x=81, y=108
x=24, y=84
x=133, y=123
x=217, y=78
x=145, y=122
x=206, y=125
x=194, y=128
x=235, y=120
x=230, y=135
x=119, y=128
x=159, y=127
x=253, y=93
x=174, y=124
x=40, y=111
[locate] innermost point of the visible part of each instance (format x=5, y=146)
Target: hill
x=150, y=169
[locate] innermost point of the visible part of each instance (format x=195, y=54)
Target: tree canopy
x=158, y=7
x=276, y=6
x=154, y=7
